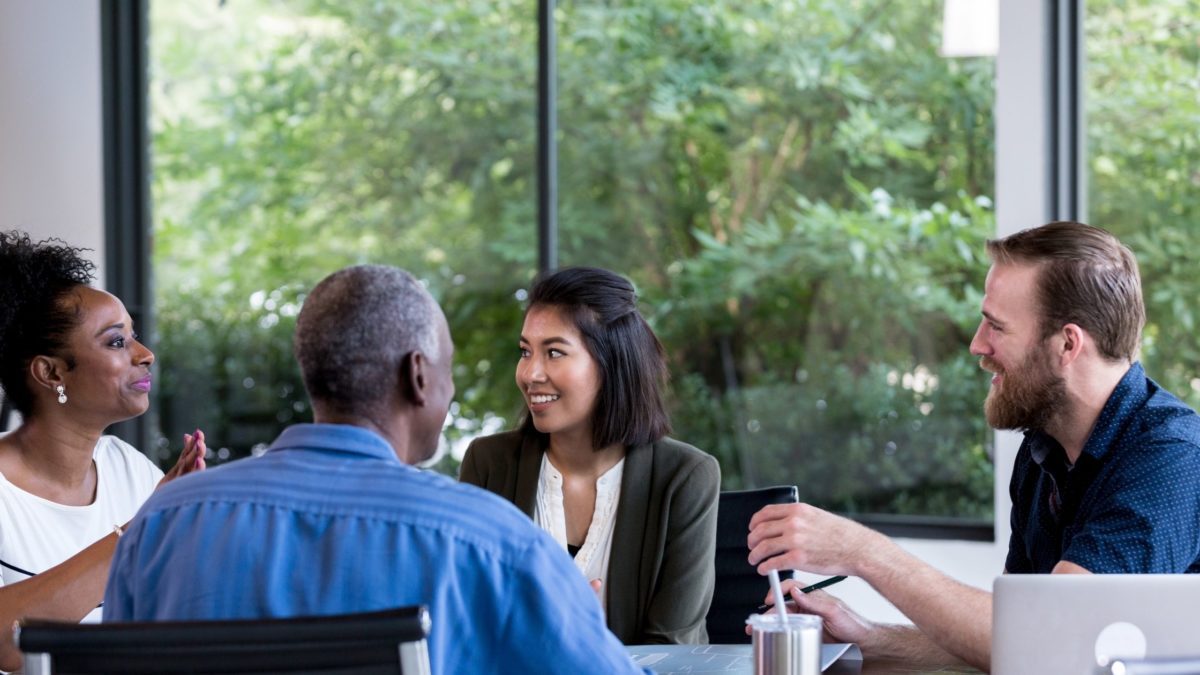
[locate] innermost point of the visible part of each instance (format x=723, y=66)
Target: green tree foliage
x=799, y=188
x=1144, y=161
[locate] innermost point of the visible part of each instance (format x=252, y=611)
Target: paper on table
x=670, y=659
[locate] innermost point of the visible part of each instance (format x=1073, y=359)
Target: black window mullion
x=123, y=27
x=547, y=145
x=1065, y=117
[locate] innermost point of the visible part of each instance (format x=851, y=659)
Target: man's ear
x=414, y=377
x=1073, y=338
x=47, y=371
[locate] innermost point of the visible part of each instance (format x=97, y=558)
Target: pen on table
x=812, y=587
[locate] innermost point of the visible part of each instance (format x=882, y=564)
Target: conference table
x=738, y=660
x=884, y=667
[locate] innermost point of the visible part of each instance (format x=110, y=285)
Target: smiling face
x=110, y=380
x=556, y=374
x=1026, y=392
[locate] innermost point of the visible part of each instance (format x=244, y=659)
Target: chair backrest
x=740, y=589
x=374, y=643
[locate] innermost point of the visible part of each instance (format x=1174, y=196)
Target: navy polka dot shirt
x=1131, y=503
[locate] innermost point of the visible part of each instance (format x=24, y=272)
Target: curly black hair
x=34, y=319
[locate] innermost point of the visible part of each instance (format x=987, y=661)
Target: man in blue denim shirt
x=332, y=519
x=1106, y=480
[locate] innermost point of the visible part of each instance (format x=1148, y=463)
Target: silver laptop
x=1077, y=624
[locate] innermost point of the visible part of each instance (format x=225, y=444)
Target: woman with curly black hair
x=71, y=364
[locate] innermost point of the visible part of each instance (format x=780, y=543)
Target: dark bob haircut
x=36, y=311
x=602, y=305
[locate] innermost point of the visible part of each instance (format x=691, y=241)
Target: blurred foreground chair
x=374, y=643
x=739, y=589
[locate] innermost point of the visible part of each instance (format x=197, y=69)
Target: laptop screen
x=1071, y=624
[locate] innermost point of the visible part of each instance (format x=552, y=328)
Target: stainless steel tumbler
x=791, y=647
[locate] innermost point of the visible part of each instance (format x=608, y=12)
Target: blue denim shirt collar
x=345, y=438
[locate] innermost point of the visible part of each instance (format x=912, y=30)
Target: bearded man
x=1107, y=479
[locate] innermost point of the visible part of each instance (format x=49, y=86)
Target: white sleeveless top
x=549, y=514
x=37, y=534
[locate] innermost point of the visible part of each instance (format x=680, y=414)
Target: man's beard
x=1028, y=397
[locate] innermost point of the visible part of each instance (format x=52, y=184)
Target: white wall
x=1023, y=169
x=51, y=172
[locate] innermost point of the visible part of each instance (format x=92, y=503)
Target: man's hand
x=841, y=623
x=803, y=537
x=952, y=620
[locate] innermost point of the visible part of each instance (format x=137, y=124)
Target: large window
x=1142, y=74
x=800, y=190
x=293, y=138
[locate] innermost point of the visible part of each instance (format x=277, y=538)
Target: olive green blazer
x=660, y=570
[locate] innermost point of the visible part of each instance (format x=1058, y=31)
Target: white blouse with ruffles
x=549, y=514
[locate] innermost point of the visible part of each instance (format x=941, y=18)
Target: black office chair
x=740, y=588
x=374, y=643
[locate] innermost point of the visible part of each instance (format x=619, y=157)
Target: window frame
x=124, y=33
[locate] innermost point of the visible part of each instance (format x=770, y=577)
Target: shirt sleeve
x=131, y=469
x=1146, y=523
x=677, y=609
x=555, y=619
x=118, y=592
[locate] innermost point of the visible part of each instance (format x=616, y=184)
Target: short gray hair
x=354, y=330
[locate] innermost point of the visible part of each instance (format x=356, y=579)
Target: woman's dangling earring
x=62, y=394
